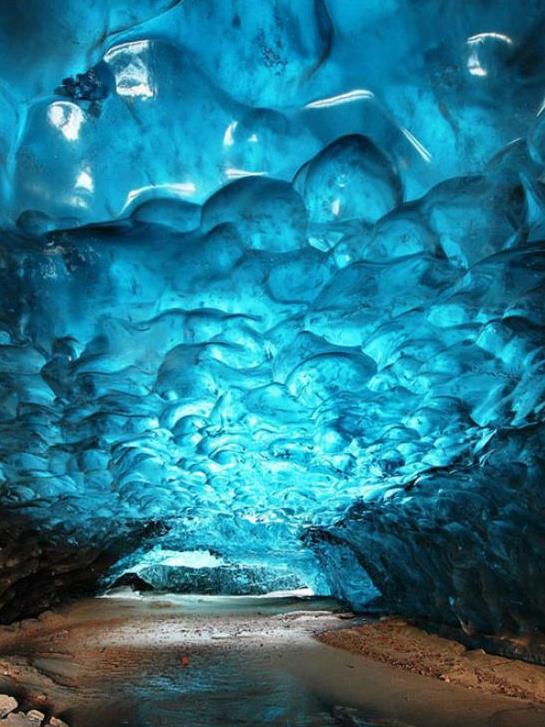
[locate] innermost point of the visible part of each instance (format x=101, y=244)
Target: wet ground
x=202, y=662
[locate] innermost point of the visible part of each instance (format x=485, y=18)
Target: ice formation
x=272, y=286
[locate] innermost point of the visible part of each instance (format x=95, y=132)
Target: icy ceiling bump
x=271, y=288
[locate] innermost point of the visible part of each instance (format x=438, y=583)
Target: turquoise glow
x=272, y=286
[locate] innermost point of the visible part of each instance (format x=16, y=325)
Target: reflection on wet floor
x=212, y=685
x=233, y=691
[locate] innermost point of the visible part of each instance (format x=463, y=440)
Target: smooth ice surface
x=273, y=278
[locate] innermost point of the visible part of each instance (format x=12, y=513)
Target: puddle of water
x=240, y=690
x=222, y=680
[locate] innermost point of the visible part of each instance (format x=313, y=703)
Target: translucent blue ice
x=272, y=286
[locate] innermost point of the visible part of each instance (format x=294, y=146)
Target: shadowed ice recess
x=272, y=291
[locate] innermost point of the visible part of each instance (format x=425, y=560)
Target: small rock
x=19, y=719
x=35, y=716
x=7, y=705
x=56, y=722
x=45, y=615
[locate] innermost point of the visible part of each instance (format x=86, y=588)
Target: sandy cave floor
x=197, y=661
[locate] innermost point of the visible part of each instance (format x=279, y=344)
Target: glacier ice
x=206, y=573
x=271, y=287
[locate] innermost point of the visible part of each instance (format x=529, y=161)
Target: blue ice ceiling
x=272, y=288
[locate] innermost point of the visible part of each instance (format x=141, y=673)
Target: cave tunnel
x=272, y=304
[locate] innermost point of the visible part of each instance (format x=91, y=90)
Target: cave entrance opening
x=207, y=572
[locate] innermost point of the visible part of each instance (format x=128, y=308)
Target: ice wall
x=271, y=285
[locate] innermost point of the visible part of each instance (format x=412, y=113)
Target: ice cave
x=272, y=321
